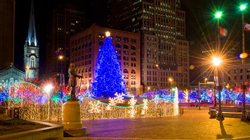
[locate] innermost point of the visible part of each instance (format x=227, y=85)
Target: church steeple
x=31, y=38
x=31, y=48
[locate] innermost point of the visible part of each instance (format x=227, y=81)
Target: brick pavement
x=194, y=124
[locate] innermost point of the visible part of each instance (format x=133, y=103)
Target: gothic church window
x=32, y=62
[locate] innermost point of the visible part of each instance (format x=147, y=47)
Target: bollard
x=213, y=113
x=181, y=111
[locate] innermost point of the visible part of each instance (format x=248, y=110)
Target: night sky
x=95, y=10
x=201, y=25
x=199, y=15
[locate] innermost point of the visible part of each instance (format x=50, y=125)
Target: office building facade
x=165, y=23
x=7, y=34
x=84, y=49
x=62, y=23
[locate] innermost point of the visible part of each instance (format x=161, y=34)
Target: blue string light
x=108, y=77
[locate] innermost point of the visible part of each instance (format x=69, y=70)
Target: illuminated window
x=133, y=19
x=32, y=62
x=77, y=21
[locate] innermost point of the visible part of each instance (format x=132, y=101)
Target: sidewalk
x=194, y=124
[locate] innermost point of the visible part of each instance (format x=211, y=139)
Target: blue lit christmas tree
x=108, y=76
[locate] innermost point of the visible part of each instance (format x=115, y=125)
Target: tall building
x=61, y=24
x=31, y=48
x=164, y=50
x=84, y=49
x=7, y=32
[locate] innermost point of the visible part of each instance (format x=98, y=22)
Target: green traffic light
x=243, y=6
x=218, y=14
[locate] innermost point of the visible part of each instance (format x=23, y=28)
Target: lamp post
x=48, y=88
x=28, y=72
x=216, y=62
x=158, y=76
x=244, y=115
x=205, y=81
x=199, y=98
x=61, y=57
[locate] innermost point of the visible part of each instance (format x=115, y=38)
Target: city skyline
x=125, y=69
x=193, y=13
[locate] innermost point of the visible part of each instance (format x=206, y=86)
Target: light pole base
x=244, y=116
x=199, y=100
x=220, y=116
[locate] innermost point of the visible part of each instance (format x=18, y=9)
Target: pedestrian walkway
x=193, y=124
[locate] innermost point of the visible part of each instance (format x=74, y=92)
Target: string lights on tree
x=108, y=76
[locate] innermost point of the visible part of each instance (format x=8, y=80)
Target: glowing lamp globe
x=60, y=57
x=191, y=67
x=170, y=79
x=216, y=61
x=48, y=87
x=243, y=6
x=218, y=14
x=107, y=34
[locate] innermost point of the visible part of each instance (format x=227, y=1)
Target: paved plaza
x=194, y=124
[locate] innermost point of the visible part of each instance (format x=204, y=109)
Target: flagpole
x=244, y=115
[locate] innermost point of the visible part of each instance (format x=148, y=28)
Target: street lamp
x=244, y=115
x=170, y=80
x=48, y=88
x=205, y=80
x=61, y=57
x=216, y=62
x=218, y=15
x=157, y=66
x=148, y=88
x=28, y=72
